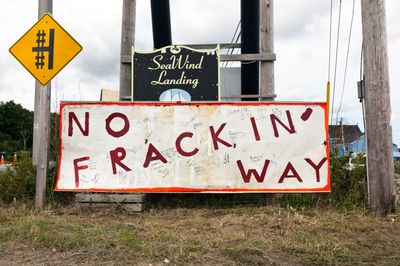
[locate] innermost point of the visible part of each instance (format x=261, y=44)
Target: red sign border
x=323, y=105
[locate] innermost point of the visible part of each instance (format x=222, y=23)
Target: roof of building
x=350, y=133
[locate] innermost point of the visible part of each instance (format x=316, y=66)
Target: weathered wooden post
x=378, y=110
x=127, y=40
x=267, y=77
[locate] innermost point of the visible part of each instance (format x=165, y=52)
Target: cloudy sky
x=301, y=45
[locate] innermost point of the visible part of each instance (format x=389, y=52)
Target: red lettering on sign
x=316, y=167
x=117, y=156
x=72, y=116
x=216, y=139
x=79, y=167
x=290, y=168
x=255, y=129
x=150, y=157
x=123, y=131
x=306, y=115
x=179, y=147
x=275, y=119
x=247, y=175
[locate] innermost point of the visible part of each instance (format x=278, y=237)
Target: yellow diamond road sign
x=45, y=49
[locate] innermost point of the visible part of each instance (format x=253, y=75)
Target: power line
x=236, y=41
x=337, y=52
x=328, y=84
x=330, y=42
x=233, y=41
x=346, y=64
x=361, y=80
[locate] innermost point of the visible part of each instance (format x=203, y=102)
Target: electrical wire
x=328, y=84
x=361, y=61
x=363, y=99
x=337, y=52
x=330, y=42
x=236, y=41
x=347, y=61
x=232, y=42
x=362, y=79
x=364, y=122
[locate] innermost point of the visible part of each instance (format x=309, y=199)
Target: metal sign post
x=45, y=6
x=44, y=50
x=41, y=126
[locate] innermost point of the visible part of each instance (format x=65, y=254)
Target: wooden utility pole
x=267, y=78
x=378, y=110
x=127, y=40
x=41, y=126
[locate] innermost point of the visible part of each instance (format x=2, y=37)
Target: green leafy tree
x=16, y=128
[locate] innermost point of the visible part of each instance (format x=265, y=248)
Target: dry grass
x=218, y=236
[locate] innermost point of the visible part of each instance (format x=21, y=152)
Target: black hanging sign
x=176, y=73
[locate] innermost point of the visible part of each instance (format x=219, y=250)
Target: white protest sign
x=194, y=147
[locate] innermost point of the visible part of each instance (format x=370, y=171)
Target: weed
x=348, y=185
x=18, y=183
x=128, y=237
x=204, y=236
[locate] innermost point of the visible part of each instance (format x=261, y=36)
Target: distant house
x=341, y=138
x=359, y=145
x=346, y=139
x=396, y=152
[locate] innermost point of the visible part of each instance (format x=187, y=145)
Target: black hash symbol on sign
x=40, y=49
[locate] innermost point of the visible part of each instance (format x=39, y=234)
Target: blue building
x=396, y=152
x=346, y=139
x=359, y=145
x=341, y=138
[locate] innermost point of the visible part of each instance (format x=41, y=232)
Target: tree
x=16, y=127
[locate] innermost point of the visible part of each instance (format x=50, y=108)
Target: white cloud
x=301, y=44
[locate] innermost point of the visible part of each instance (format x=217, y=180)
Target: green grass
x=202, y=229
x=227, y=236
